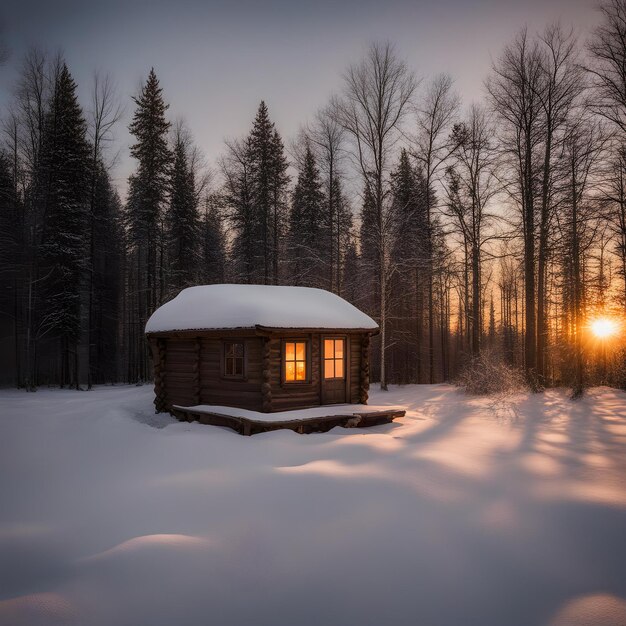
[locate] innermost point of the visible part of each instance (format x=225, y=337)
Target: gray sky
x=217, y=59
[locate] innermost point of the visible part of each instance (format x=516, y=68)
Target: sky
x=217, y=59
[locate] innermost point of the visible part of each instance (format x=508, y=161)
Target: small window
x=295, y=362
x=234, y=356
x=333, y=358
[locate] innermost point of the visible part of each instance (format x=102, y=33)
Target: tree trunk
x=530, y=357
x=542, y=260
x=578, y=378
x=476, y=308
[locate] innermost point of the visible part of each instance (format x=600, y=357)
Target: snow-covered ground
x=465, y=512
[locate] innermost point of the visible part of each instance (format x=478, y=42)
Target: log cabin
x=259, y=347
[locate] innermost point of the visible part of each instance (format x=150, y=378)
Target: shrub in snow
x=488, y=374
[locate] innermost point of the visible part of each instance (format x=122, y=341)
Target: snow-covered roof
x=212, y=307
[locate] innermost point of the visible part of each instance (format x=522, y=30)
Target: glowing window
x=333, y=358
x=234, y=352
x=295, y=361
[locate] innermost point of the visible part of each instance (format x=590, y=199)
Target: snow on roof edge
x=238, y=307
x=260, y=326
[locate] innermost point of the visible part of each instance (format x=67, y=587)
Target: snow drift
x=462, y=512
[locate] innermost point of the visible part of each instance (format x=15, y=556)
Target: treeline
x=498, y=226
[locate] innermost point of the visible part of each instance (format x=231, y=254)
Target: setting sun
x=603, y=327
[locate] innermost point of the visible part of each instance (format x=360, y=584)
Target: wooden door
x=334, y=368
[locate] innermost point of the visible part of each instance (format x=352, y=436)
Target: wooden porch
x=246, y=425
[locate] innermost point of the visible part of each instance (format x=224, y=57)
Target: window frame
x=307, y=361
x=334, y=359
x=224, y=374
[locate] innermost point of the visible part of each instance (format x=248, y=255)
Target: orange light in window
x=339, y=348
x=295, y=361
x=300, y=370
x=333, y=358
x=339, y=368
x=329, y=368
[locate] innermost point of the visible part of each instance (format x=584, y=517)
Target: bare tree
x=509, y=279
x=607, y=66
x=562, y=83
x=33, y=92
x=327, y=136
x=615, y=200
x=376, y=95
x=472, y=185
x=32, y=97
x=237, y=196
x=607, y=49
x=582, y=147
x=433, y=146
x=514, y=88
x=105, y=112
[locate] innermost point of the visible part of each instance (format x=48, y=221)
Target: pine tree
x=278, y=185
x=339, y=233
x=212, y=249
x=183, y=225
x=255, y=194
x=237, y=197
x=149, y=186
x=11, y=230
x=147, y=194
x=107, y=279
x=268, y=182
x=307, y=240
x=64, y=160
x=350, y=275
x=369, y=252
x=409, y=208
x=260, y=146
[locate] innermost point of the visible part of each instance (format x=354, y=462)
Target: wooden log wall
x=215, y=389
x=354, y=365
x=191, y=374
x=365, y=370
x=196, y=370
x=180, y=372
x=287, y=396
x=188, y=371
x=160, y=392
x=266, y=386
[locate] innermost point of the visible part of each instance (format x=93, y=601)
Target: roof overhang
x=258, y=331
